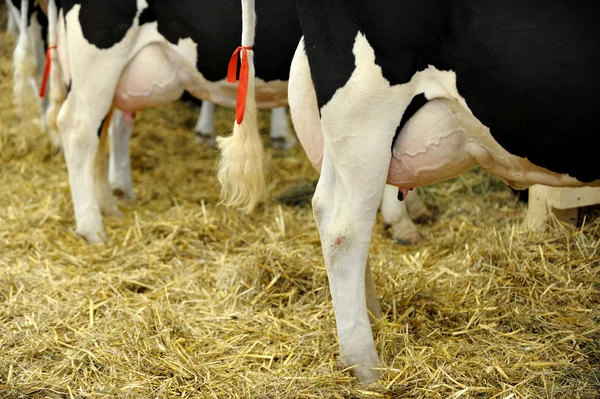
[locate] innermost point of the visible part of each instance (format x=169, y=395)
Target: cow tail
x=24, y=67
x=242, y=165
x=57, y=91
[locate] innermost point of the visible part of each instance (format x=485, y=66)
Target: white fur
x=241, y=166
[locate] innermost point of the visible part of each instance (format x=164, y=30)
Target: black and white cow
x=28, y=20
x=130, y=55
x=511, y=85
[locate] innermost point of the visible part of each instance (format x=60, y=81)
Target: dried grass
x=190, y=299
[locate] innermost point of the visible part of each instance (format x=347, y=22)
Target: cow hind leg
x=106, y=200
x=282, y=137
x=396, y=215
x=345, y=208
x=80, y=120
x=119, y=168
x=417, y=210
x=345, y=205
x=205, y=127
x=80, y=143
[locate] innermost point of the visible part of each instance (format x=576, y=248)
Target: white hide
x=305, y=115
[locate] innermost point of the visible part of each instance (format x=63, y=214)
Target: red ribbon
x=243, y=86
x=46, y=72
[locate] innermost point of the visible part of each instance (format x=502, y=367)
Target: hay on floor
x=190, y=299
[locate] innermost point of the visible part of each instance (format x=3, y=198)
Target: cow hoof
x=114, y=212
x=365, y=375
x=422, y=217
x=94, y=238
x=387, y=226
x=282, y=143
x=124, y=194
x=205, y=138
x=55, y=150
x=409, y=238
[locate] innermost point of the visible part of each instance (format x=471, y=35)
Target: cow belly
x=154, y=77
x=150, y=79
x=443, y=140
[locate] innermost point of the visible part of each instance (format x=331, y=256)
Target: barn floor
x=190, y=299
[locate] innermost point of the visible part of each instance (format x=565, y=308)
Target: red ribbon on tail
x=243, y=86
x=46, y=72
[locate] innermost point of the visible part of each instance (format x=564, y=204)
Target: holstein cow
x=130, y=55
x=511, y=85
x=29, y=53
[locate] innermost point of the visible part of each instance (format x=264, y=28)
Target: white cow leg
x=396, y=215
x=282, y=137
x=12, y=26
x=39, y=53
x=119, y=169
x=205, y=127
x=416, y=207
x=345, y=211
x=94, y=77
x=104, y=194
x=345, y=205
x=80, y=143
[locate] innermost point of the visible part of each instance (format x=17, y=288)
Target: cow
x=28, y=20
x=413, y=92
x=131, y=55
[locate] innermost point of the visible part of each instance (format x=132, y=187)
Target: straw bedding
x=189, y=299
